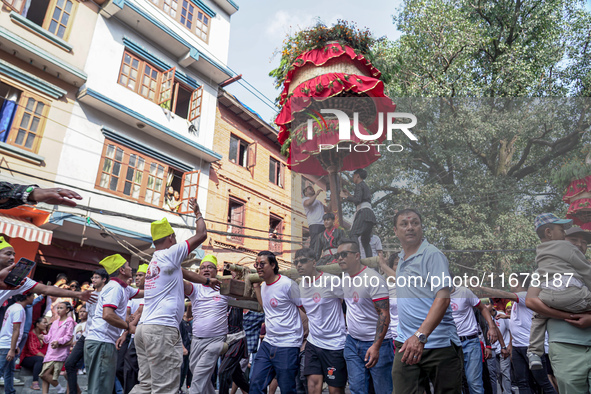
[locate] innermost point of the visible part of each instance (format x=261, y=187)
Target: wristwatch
x=207, y=282
x=422, y=337
x=504, y=347
x=26, y=194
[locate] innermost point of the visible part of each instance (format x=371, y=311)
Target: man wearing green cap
x=210, y=309
x=7, y=263
x=157, y=340
x=100, y=354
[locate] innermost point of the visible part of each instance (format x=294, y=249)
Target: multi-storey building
x=141, y=117
x=254, y=200
x=44, y=45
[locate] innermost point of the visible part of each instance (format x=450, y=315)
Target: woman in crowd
x=35, y=349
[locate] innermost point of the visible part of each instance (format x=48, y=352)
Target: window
x=136, y=176
x=275, y=234
x=188, y=15
x=160, y=87
x=22, y=117
x=130, y=174
x=276, y=172
x=53, y=15
x=236, y=210
x=202, y=26
x=189, y=189
x=238, y=151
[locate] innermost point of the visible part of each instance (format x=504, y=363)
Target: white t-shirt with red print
x=164, y=298
x=322, y=303
x=210, y=312
x=115, y=294
x=281, y=300
x=361, y=291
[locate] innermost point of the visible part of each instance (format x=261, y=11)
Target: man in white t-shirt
x=130, y=364
x=278, y=354
x=99, y=279
x=314, y=212
x=7, y=260
x=375, y=243
x=12, y=331
x=164, y=305
x=322, y=297
x=210, y=327
x=520, y=324
x=368, y=347
x=108, y=322
x=463, y=301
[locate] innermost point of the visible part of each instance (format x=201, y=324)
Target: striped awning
x=19, y=228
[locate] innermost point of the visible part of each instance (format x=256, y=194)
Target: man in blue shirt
x=427, y=346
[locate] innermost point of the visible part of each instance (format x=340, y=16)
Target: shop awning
x=18, y=228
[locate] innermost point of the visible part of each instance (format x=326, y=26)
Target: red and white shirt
x=28, y=286
x=462, y=300
x=326, y=321
x=281, y=300
x=361, y=291
x=210, y=312
x=164, y=295
x=115, y=294
x=14, y=314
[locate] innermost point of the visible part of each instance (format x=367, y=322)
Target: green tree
x=480, y=168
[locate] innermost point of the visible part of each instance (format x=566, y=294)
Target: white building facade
x=144, y=121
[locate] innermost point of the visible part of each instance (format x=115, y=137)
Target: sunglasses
x=301, y=261
x=259, y=265
x=343, y=254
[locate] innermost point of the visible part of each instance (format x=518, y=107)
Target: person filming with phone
x=26, y=284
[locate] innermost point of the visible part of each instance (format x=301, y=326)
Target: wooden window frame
x=122, y=175
x=237, y=162
x=166, y=86
x=10, y=4
x=195, y=104
x=280, y=172
x=49, y=16
x=276, y=246
x=141, y=70
x=184, y=184
x=194, y=21
x=18, y=116
x=240, y=229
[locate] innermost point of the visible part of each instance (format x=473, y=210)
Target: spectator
x=427, y=344
x=59, y=337
x=314, y=210
x=10, y=336
x=35, y=349
x=557, y=257
x=569, y=336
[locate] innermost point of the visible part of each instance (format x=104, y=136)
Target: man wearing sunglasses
x=368, y=348
x=322, y=296
x=278, y=354
x=427, y=345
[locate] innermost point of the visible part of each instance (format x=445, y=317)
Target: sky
x=260, y=26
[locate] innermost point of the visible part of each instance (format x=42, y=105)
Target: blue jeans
x=381, y=373
x=473, y=365
x=7, y=370
x=272, y=361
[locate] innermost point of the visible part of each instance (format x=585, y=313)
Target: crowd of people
x=169, y=329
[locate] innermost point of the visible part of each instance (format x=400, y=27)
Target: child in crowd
x=59, y=337
x=565, y=276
